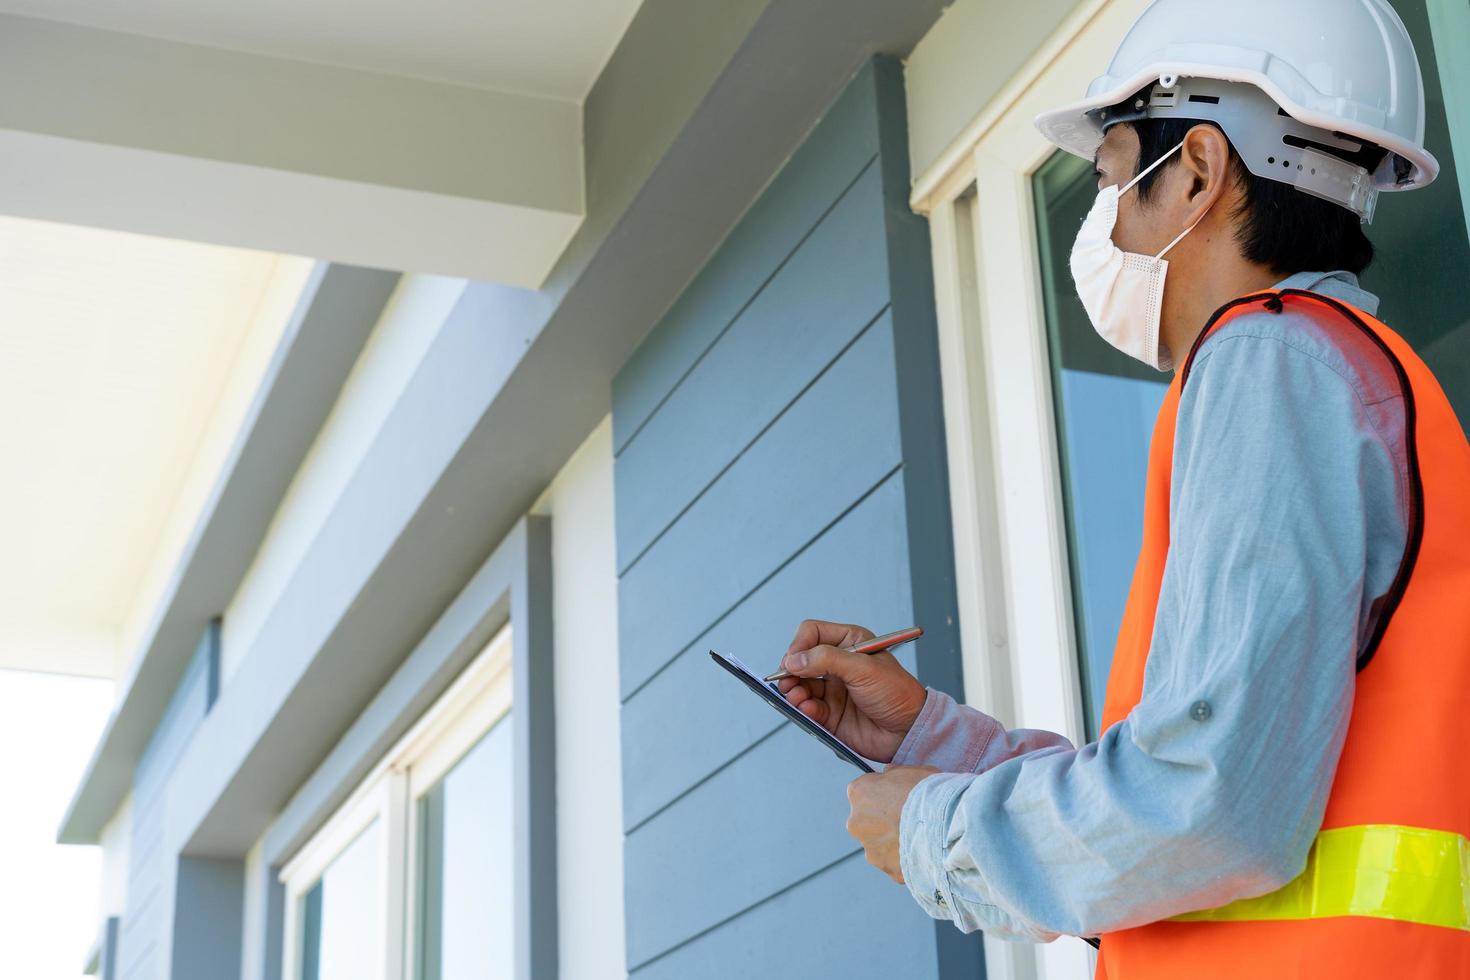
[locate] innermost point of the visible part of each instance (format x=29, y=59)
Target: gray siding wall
x=143, y=936
x=780, y=455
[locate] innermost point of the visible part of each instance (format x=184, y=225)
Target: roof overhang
x=185, y=141
x=680, y=140
x=338, y=309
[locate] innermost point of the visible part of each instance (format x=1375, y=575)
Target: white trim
x=397, y=845
x=1011, y=554
x=346, y=825
x=473, y=705
x=363, y=809
x=477, y=700
x=948, y=176
x=1027, y=482
x=984, y=634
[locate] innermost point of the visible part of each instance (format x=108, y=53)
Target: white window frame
x=1011, y=554
x=476, y=702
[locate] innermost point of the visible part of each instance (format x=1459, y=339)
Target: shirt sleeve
x=1284, y=502
x=955, y=737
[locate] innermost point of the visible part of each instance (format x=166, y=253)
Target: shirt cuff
x=923, y=836
x=949, y=736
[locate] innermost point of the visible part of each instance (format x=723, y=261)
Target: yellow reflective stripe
x=1381, y=870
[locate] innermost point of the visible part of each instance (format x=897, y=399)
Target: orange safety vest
x=1386, y=888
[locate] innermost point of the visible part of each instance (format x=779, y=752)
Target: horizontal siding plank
x=848, y=921
x=837, y=150
x=837, y=442
x=847, y=575
x=761, y=477
x=772, y=818
x=138, y=967
x=831, y=288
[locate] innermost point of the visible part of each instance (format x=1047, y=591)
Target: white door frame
x=1011, y=554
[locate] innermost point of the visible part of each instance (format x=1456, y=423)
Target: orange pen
x=876, y=645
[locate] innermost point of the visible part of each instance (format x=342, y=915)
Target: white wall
x=252, y=928
x=588, y=744
x=393, y=351
x=116, y=837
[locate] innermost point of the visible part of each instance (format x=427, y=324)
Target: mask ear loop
x=1148, y=170
x=1182, y=235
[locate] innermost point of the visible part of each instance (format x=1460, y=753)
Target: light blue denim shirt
x=1288, y=518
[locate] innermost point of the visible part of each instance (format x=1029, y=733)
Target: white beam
x=134, y=133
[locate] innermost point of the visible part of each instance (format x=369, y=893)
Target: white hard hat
x=1335, y=74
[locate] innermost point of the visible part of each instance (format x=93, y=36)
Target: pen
x=876, y=645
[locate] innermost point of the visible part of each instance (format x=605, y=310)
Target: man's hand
x=877, y=803
x=870, y=702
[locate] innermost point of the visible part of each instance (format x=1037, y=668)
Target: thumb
x=829, y=661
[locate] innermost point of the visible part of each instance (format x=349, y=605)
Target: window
x=412, y=877
x=1421, y=238
x=1104, y=403
x=1048, y=428
x=465, y=876
x=331, y=944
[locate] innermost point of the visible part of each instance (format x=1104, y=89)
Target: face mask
x=1123, y=292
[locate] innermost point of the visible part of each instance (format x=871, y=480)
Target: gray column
x=208, y=918
x=534, y=726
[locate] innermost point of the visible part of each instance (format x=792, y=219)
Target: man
x=1279, y=788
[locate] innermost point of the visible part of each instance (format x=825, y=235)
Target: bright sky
x=49, y=912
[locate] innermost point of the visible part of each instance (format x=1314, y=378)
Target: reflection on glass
x=1423, y=254
x=1105, y=402
x=340, y=915
x=465, y=884
x=1105, y=405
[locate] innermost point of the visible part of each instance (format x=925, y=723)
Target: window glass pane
x=1105, y=402
x=341, y=914
x=1423, y=254
x=465, y=883
x=1105, y=405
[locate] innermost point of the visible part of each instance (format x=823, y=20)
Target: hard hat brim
x=1076, y=129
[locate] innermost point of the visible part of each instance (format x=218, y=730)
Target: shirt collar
x=1338, y=285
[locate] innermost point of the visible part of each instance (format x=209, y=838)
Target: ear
x=1205, y=160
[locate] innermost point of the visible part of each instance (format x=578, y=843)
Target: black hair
x=1280, y=227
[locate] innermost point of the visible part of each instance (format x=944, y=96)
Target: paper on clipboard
x=771, y=695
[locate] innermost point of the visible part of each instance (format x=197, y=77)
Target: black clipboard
x=768, y=693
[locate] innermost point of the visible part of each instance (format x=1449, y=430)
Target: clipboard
x=769, y=694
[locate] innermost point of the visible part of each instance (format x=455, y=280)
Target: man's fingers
x=816, y=710
x=808, y=635
x=828, y=661
x=816, y=632
x=807, y=701
x=809, y=686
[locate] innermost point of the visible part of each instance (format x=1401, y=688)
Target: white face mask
x=1123, y=292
